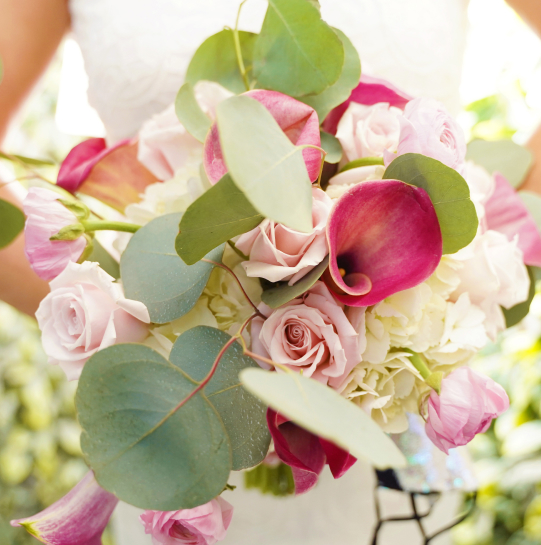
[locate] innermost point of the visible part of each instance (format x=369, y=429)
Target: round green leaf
x=296, y=52
x=449, y=193
x=264, y=164
x=322, y=411
x=101, y=256
x=11, y=223
x=216, y=60
x=139, y=445
x=503, y=156
x=153, y=273
x=516, y=314
x=190, y=113
x=220, y=214
x=282, y=293
x=338, y=93
x=243, y=415
x=332, y=146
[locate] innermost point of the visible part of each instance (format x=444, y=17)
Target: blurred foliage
x=490, y=118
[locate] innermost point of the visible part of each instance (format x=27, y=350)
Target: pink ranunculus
x=45, y=216
x=85, y=312
x=311, y=333
x=80, y=517
x=76, y=167
x=427, y=128
x=277, y=252
x=202, y=525
x=366, y=131
x=466, y=406
x=298, y=121
x=506, y=213
x=384, y=237
x=369, y=91
x=305, y=452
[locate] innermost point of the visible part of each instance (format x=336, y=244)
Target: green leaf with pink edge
x=216, y=60
x=448, y=192
x=264, y=164
x=296, y=52
x=324, y=412
x=11, y=223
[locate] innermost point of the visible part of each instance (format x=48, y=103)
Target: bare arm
x=530, y=11
x=30, y=31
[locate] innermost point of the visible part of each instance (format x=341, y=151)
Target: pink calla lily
x=369, y=91
x=384, y=237
x=298, y=121
x=305, y=452
x=506, y=213
x=79, y=518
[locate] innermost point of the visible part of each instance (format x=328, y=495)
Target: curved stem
x=90, y=225
x=363, y=162
x=323, y=155
x=226, y=268
x=238, y=49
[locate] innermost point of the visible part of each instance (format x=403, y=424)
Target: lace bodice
x=136, y=51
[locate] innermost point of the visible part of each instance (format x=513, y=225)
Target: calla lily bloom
x=506, y=213
x=305, y=452
x=369, y=91
x=384, y=237
x=298, y=121
x=79, y=518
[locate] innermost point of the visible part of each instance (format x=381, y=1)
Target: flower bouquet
x=305, y=257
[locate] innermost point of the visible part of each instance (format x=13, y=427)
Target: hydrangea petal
x=384, y=237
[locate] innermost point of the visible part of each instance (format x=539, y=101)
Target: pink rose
x=427, y=128
x=45, y=217
x=85, y=312
x=279, y=253
x=203, y=525
x=466, y=406
x=366, y=131
x=298, y=121
x=311, y=333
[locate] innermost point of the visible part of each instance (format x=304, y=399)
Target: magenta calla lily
x=76, y=167
x=299, y=122
x=305, y=452
x=369, y=91
x=79, y=518
x=506, y=213
x=384, y=237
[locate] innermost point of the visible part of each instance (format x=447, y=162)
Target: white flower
x=340, y=183
x=493, y=274
x=365, y=131
x=481, y=185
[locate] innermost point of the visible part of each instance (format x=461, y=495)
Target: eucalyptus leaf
x=338, y=93
x=324, y=412
x=264, y=164
x=449, y=193
x=503, y=156
x=243, y=415
x=282, y=293
x=140, y=445
x=153, y=273
x=11, y=223
x=101, y=256
x=332, y=146
x=29, y=161
x=190, y=113
x=220, y=214
x=516, y=314
x=216, y=60
x=296, y=52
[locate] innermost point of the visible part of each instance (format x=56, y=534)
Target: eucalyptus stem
x=432, y=379
x=105, y=225
x=323, y=155
x=363, y=162
x=21, y=163
x=238, y=49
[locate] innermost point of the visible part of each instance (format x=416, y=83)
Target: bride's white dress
x=136, y=53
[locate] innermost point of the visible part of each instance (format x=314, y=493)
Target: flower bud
x=70, y=232
x=77, y=208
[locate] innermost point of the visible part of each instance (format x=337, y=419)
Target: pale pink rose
x=311, y=333
x=466, y=406
x=366, y=131
x=45, y=216
x=165, y=145
x=427, y=128
x=85, y=312
x=203, y=525
x=277, y=252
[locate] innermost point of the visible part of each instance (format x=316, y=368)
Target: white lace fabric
x=136, y=51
